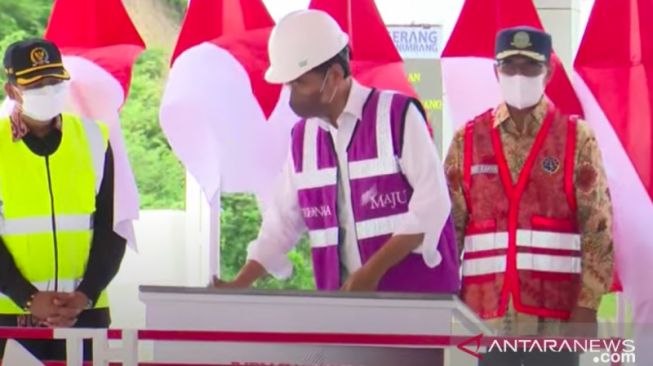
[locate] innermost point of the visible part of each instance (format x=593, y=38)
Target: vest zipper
x=54, y=226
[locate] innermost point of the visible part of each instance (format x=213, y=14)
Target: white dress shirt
x=428, y=209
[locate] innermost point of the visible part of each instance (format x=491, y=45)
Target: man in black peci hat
x=531, y=208
x=58, y=250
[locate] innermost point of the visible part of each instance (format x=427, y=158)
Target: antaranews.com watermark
x=620, y=351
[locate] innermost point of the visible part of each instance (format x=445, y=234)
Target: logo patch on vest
x=377, y=201
x=550, y=165
x=368, y=195
x=485, y=169
x=316, y=211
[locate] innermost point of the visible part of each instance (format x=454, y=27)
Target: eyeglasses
x=528, y=68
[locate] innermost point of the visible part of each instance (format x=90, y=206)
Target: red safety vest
x=521, y=239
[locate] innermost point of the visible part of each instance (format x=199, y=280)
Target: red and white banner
x=100, y=45
x=229, y=127
x=375, y=60
x=216, y=102
x=468, y=59
x=614, y=81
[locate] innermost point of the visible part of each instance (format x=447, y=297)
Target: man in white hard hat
x=363, y=176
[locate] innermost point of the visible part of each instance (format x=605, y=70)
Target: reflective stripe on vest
x=376, y=227
x=384, y=164
x=548, y=263
x=96, y=141
x=64, y=286
x=548, y=240
x=484, y=266
x=38, y=225
x=485, y=260
x=364, y=230
x=316, y=179
x=483, y=242
x=324, y=238
x=561, y=262
x=357, y=170
x=489, y=264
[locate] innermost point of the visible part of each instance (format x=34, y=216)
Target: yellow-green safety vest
x=47, y=206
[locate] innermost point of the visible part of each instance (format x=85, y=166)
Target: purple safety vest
x=380, y=194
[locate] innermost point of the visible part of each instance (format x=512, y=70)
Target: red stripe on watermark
x=289, y=337
x=26, y=333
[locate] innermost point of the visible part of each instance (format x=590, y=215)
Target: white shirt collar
x=354, y=108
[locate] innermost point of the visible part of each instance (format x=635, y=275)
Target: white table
x=176, y=308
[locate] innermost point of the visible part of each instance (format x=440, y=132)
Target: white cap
x=301, y=41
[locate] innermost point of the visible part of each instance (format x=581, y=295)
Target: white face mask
x=45, y=103
x=520, y=91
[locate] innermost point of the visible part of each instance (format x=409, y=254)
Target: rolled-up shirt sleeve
x=429, y=206
x=281, y=228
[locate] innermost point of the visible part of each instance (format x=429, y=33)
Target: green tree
x=28, y=16
x=159, y=175
x=240, y=222
x=20, y=20
x=177, y=8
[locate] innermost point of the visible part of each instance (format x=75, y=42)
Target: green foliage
x=5, y=41
x=28, y=16
x=20, y=20
x=240, y=224
x=177, y=8
x=159, y=175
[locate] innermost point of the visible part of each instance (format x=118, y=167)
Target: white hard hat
x=301, y=41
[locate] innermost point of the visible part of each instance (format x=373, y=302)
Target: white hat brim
x=273, y=76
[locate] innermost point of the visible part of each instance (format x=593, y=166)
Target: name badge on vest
x=485, y=169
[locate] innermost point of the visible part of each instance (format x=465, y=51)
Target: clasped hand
x=58, y=309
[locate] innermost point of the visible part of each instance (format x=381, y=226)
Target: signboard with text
x=418, y=41
x=420, y=47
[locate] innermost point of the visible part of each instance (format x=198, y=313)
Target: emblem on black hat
x=39, y=56
x=521, y=40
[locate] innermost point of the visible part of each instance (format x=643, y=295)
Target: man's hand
x=391, y=253
x=246, y=277
x=218, y=283
x=69, y=306
x=76, y=300
x=582, y=323
x=43, y=305
x=363, y=280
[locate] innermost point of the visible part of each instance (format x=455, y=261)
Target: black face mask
x=311, y=105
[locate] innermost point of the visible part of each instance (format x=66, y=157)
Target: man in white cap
x=363, y=176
